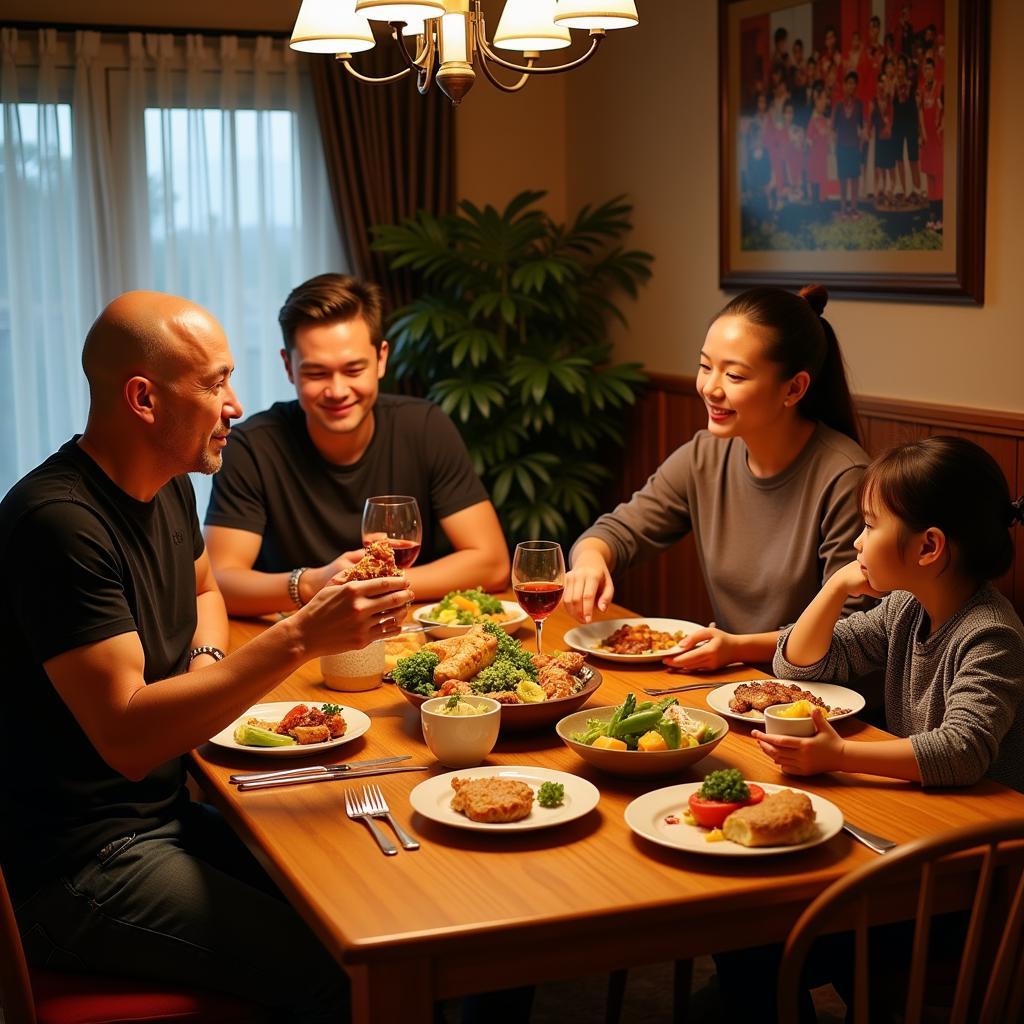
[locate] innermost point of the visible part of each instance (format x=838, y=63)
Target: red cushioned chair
x=30, y=996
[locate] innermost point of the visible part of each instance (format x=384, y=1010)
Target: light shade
x=331, y=26
x=606, y=14
x=400, y=10
x=530, y=25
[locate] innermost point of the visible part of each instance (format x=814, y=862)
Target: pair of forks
x=371, y=804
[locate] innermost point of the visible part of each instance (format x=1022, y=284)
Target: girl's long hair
x=954, y=485
x=802, y=339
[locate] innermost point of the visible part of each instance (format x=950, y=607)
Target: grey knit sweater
x=958, y=695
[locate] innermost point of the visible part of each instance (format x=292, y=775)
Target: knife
x=316, y=769
x=296, y=780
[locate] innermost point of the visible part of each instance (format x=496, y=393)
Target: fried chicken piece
x=556, y=682
x=571, y=661
x=504, y=696
x=492, y=800
x=454, y=686
x=378, y=562
x=476, y=650
x=758, y=696
x=306, y=734
x=294, y=717
x=336, y=725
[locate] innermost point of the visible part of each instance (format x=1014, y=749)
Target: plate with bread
x=783, y=820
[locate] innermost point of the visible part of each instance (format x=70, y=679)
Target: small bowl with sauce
x=460, y=731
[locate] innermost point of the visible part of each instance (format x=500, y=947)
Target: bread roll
x=781, y=819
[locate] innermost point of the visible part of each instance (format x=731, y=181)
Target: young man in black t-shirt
x=114, y=631
x=285, y=512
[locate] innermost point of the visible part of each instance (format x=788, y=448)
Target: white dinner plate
x=646, y=817
x=357, y=723
x=433, y=798
x=443, y=630
x=585, y=639
x=834, y=696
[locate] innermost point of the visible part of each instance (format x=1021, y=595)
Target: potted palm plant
x=509, y=335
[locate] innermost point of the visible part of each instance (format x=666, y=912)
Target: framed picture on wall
x=852, y=146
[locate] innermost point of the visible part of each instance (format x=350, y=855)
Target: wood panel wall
x=670, y=413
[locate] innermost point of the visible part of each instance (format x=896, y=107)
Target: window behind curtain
x=202, y=175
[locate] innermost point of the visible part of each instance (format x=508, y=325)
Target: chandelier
x=450, y=37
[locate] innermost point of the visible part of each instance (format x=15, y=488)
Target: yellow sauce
x=798, y=709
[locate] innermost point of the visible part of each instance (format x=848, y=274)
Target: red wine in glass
x=396, y=519
x=538, y=579
x=539, y=600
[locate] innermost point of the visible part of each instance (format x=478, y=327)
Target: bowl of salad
x=653, y=737
x=460, y=610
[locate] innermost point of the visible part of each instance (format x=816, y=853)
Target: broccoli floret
x=502, y=675
x=511, y=651
x=551, y=794
x=726, y=785
x=416, y=673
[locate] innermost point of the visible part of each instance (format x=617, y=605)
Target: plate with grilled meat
x=289, y=728
x=632, y=641
x=499, y=798
x=745, y=702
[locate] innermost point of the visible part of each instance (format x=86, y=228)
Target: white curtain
x=184, y=164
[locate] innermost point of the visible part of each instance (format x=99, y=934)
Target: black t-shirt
x=84, y=561
x=308, y=511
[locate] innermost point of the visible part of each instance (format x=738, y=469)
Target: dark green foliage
x=509, y=337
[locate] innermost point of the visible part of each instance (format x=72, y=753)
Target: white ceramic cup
x=776, y=725
x=460, y=741
x=351, y=671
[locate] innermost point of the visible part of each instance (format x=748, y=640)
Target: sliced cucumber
x=251, y=736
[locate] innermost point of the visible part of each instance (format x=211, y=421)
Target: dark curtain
x=389, y=151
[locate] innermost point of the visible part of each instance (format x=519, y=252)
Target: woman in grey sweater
x=769, y=490
x=937, y=515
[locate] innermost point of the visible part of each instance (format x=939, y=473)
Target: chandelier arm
x=422, y=58
x=597, y=36
x=425, y=78
x=344, y=60
x=497, y=83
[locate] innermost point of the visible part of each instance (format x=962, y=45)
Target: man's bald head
x=143, y=334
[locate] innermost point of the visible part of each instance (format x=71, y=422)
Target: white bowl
x=777, y=725
x=460, y=741
x=443, y=630
x=639, y=762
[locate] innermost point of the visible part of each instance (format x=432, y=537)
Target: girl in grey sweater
x=937, y=515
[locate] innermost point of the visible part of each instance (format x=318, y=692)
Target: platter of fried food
x=632, y=641
x=786, y=820
x=504, y=799
x=534, y=690
x=745, y=702
x=311, y=728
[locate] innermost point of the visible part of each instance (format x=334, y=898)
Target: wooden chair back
x=15, y=987
x=991, y=851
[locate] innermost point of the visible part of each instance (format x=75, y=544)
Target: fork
x=357, y=811
x=377, y=807
x=688, y=686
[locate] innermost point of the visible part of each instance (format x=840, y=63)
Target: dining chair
x=990, y=859
x=32, y=996
x=682, y=980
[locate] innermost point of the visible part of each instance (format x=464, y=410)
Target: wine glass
x=396, y=519
x=538, y=579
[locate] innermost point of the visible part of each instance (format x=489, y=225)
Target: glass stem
x=539, y=623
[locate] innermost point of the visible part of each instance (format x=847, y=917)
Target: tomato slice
x=712, y=813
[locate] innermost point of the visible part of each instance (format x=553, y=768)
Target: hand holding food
x=312, y=581
x=822, y=752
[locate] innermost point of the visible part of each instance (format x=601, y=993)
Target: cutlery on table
x=356, y=810
x=316, y=769
x=877, y=843
x=376, y=806
x=690, y=686
x=301, y=780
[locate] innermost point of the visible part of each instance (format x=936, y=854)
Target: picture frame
x=811, y=188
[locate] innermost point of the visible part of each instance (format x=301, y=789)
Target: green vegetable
x=551, y=794
x=511, y=650
x=726, y=785
x=636, y=724
x=331, y=709
x=595, y=727
x=251, y=736
x=671, y=733
x=502, y=675
x=706, y=733
x=416, y=673
x=452, y=702
x=487, y=604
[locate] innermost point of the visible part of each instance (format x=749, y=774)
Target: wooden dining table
x=472, y=911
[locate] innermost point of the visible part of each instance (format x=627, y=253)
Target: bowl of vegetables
x=512, y=676
x=459, y=610
x=643, y=738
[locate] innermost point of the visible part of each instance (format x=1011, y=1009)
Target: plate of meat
x=504, y=798
x=300, y=729
x=745, y=702
x=630, y=640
